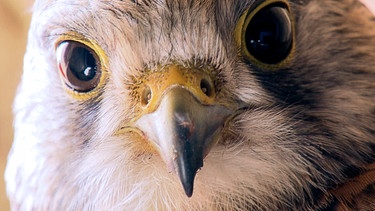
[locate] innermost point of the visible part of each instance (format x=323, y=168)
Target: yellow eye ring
x=82, y=65
x=265, y=34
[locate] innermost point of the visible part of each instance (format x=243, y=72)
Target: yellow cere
x=157, y=83
x=103, y=64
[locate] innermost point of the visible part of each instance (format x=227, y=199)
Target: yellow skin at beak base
x=158, y=83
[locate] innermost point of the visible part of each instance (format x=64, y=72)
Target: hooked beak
x=184, y=129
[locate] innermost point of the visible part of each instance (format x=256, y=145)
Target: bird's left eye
x=265, y=34
x=79, y=66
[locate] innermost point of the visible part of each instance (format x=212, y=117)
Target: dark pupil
x=82, y=64
x=269, y=34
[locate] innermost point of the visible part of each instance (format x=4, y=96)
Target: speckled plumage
x=306, y=129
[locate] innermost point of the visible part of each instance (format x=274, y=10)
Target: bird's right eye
x=79, y=66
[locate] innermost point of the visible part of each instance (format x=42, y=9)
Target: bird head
x=264, y=104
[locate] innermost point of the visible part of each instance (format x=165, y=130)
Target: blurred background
x=14, y=22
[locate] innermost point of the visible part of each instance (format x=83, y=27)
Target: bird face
x=134, y=104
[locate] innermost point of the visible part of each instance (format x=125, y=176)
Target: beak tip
x=189, y=191
x=187, y=174
x=188, y=184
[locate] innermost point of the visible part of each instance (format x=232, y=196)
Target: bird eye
x=266, y=34
x=79, y=65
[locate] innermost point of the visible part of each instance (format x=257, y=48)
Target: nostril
x=206, y=87
x=146, y=96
